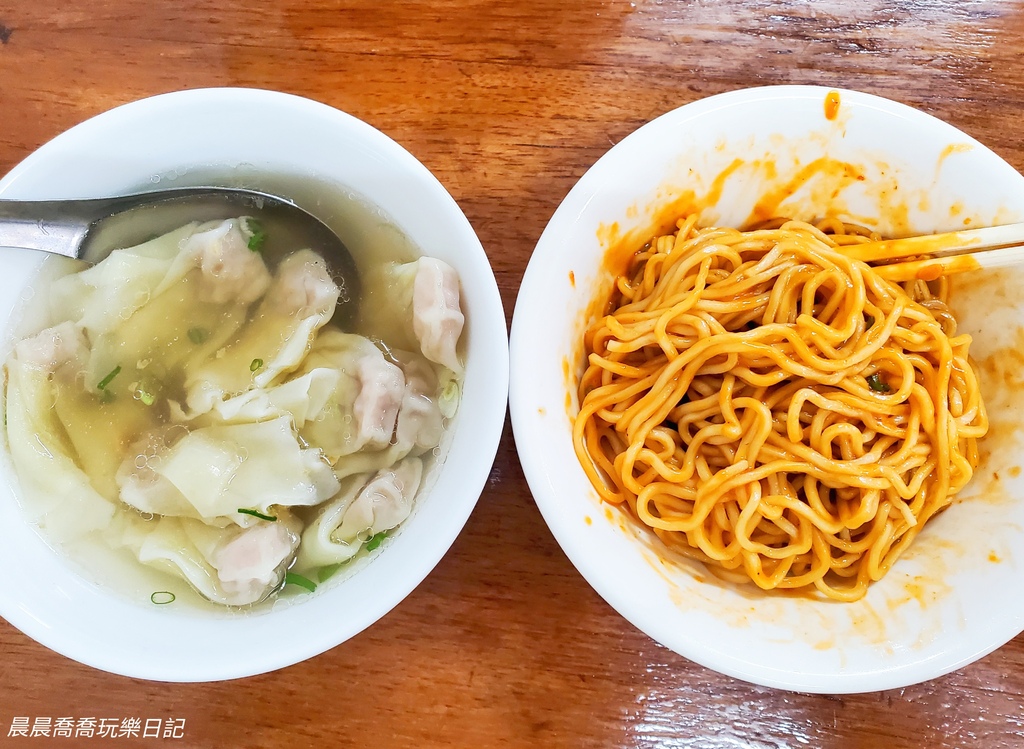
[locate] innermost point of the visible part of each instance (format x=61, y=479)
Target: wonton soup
x=190, y=407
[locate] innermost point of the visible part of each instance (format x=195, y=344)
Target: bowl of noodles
x=781, y=462
x=207, y=471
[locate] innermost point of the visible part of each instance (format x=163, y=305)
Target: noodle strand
x=774, y=409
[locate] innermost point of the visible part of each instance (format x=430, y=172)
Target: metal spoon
x=90, y=229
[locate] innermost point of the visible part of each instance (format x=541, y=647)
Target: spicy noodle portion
x=774, y=409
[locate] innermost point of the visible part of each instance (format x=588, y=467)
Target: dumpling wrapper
x=303, y=398
x=101, y=297
x=420, y=303
x=347, y=399
x=233, y=566
x=301, y=299
x=178, y=297
x=212, y=472
x=364, y=507
x=64, y=502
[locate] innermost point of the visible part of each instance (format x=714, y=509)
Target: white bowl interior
x=262, y=139
x=737, y=157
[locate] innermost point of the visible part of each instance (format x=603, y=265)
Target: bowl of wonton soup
x=283, y=479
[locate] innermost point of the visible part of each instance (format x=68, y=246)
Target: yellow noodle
x=772, y=408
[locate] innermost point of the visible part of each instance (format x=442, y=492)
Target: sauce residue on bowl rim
x=832, y=102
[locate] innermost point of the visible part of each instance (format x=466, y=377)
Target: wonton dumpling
x=68, y=505
x=360, y=510
x=230, y=271
x=437, y=319
x=420, y=422
x=421, y=300
x=91, y=432
x=191, y=293
x=300, y=300
x=212, y=472
x=233, y=566
x=419, y=425
x=363, y=407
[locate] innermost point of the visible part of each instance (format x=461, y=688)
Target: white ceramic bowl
x=270, y=140
x=956, y=594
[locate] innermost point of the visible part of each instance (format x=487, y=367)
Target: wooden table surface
x=508, y=103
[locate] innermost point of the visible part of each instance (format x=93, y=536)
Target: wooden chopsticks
x=938, y=255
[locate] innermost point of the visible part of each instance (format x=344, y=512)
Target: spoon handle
x=89, y=229
x=51, y=226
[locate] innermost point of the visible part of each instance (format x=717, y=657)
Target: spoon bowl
x=90, y=229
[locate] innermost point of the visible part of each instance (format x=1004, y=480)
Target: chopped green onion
x=876, y=383
x=326, y=573
x=106, y=396
x=255, y=365
x=257, y=514
x=259, y=236
x=868, y=321
x=376, y=540
x=448, y=401
x=162, y=597
x=146, y=389
x=291, y=578
x=109, y=378
x=198, y=335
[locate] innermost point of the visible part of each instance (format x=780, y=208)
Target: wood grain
x=504, y=644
